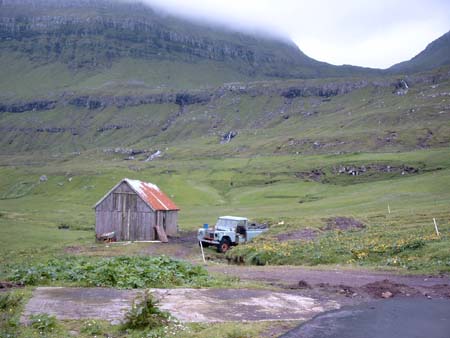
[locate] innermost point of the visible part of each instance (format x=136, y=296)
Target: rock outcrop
x=21, y=107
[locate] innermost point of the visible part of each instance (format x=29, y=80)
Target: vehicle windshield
x=227, y=224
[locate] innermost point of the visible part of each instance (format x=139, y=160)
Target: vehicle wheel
x=224, y=245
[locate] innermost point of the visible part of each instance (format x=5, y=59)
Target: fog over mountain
x=362, y=33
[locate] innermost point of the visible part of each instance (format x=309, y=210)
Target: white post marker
x=436, y=227
x=389, y=209
x=203, y=254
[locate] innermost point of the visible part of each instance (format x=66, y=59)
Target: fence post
x=436, y=227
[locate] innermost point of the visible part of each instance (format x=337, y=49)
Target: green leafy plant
x=145, y=314
x=10, y=303
x=237, y=333
x=91, y=327
x=119, y=272
x=43, y=322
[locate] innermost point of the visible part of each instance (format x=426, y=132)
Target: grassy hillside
x=61, y=45
x=297, y=151
x=436, y=54
x=264, y=188
x=267, y=118
x=24, y=79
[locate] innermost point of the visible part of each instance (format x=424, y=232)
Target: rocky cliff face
x=89, y=34
x=288, y=90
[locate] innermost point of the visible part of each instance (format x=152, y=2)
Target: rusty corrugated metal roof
x=152, y=195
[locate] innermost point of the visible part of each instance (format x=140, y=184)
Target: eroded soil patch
x=306, y=234
x=6, y=286
x=343, y=224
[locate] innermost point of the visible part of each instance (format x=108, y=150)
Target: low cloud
x=360, y=32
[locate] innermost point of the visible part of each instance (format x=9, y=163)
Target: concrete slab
x=80, y=303
x=223, y=305
x=188, y=305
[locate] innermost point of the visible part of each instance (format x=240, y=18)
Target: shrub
x=43, y=323
x=145, y=314
x=9, y=301
x=91, y=327
x=9, y=313
x=119, y=272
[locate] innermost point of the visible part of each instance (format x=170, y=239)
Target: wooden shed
x=136, y=211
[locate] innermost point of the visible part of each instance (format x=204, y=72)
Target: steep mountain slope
x=268, y=117
x=91, y=42
x=96, y=74
x=436, y=54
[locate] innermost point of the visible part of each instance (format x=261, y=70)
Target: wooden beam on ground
x=161, y=234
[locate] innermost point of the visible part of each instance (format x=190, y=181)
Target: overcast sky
x=372, y=33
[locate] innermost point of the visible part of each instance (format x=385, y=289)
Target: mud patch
x=315, y=175
x=181, y=246
x=343, y=224
x=74, y=249
x=340, y=289
x=379, y=289
x=307, y=234
x=184, y=237
x=5, y=286
x=440, y=290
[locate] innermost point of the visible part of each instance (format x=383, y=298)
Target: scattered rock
x=43, y=178
x=388, y=289
x=441, y=290
x=308, y=113
x=112, y=127
x=303, y=285
x=386, y=294
x=354, y=170
x=124, y=151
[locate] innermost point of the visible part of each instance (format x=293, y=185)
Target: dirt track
x=366, y=284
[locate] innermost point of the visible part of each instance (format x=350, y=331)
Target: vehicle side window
x=240, y=229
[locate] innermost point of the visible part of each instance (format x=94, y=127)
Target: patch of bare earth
x=334, y=223
x=387, y=289
x=181, y=246
x=306, y=234
x=6, y=286
x=343, y=224
x=340, y=283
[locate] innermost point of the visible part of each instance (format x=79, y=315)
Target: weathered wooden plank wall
x=129, y=219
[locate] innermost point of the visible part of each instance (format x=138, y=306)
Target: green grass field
x=262, y=188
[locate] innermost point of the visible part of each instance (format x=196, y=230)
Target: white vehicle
x=228, y=231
